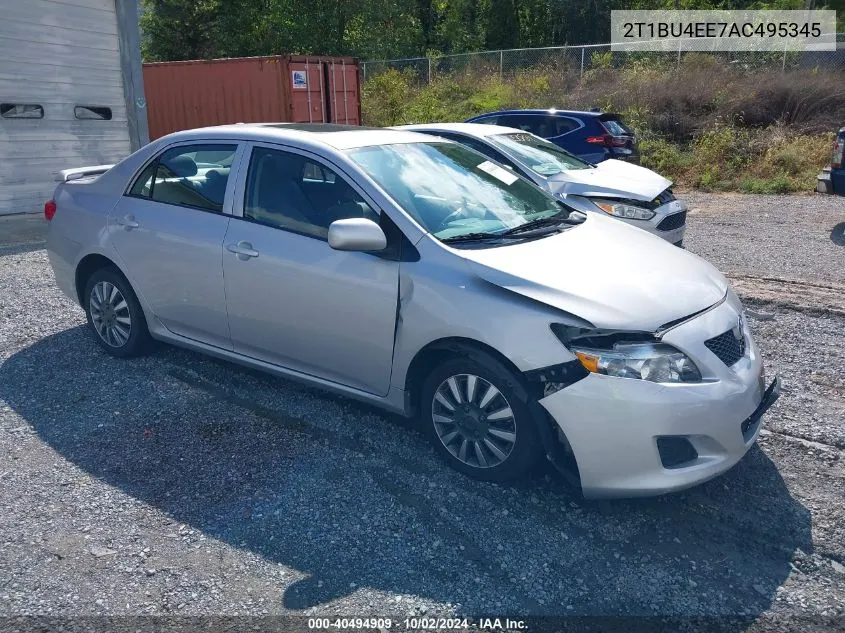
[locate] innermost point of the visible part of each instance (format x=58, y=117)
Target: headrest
x=282, y=165
x=181, y=166
x=213, y=175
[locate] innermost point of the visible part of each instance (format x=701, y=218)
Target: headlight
x=623, y=210
x=656, y=362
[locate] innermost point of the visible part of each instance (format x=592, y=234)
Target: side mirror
x=356, y=234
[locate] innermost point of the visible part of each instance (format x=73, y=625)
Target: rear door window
x=526, y=122
x=188, y=175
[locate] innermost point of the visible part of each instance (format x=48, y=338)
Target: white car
x=631, y=193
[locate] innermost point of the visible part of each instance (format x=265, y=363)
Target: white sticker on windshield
x=498, y=172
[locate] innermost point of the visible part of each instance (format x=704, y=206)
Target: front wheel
x=478, y=418
x=114, y=314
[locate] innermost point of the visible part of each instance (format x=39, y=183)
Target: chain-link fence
x=582, y=59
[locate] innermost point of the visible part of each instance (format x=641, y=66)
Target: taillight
x=49, y=209
x=608, y=140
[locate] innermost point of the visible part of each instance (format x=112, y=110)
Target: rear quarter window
x=560, y=125
x=617, y=128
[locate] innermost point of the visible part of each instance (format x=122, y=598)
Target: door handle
x=243, y=250
x=128, y=222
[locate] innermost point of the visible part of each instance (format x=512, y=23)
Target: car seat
x=275, y=196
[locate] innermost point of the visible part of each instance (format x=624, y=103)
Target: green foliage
x=601, y=61
x=384, y=98
x=773, y=160
x=700, y=61
x=385, y=29
x=778, y=184
x=191, y=29
x=664, y=157
x=174, y=29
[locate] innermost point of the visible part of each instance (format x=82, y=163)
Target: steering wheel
x=457, y=214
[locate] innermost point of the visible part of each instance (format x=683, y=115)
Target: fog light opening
x=676, y=452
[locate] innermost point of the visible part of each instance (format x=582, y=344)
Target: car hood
x=606, y=272
x=611, y=178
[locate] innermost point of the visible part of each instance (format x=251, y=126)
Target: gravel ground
x=179, y=485
x=785, y=237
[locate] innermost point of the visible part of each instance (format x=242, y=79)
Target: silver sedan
x=414, y=273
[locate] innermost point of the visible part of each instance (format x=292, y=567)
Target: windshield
x=452, y=190
x=539, y=155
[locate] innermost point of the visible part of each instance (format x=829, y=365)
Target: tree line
x=385, y=29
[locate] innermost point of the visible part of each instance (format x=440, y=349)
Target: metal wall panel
x=58, y=54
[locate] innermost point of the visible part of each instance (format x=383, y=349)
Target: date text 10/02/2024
x=416, y=624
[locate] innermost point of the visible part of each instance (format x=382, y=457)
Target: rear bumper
x=823, y=182
x=613, y=424
x=831, y=181
x=628, y=155
x=62, y=254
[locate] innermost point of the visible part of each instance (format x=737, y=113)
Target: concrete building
x=71, y=92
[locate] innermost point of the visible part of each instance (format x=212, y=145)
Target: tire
x=118, y=322
x=473, y=422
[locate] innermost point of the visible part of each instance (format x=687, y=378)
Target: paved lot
x=175, y=484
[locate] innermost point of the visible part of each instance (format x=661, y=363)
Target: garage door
x=61, y=95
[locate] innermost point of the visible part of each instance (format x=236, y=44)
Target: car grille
x=674, y=221
x=727, y=347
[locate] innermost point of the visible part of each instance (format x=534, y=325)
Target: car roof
x=337, y=136
x=477, y=130
x=583, y=113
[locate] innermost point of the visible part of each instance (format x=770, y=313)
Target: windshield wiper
x=521, y=231
x=552, y=220
x=476, y=237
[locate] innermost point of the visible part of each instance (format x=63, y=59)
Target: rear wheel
x=478, y=418
x=114, y=314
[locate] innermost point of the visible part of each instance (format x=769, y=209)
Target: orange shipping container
x=279, y=88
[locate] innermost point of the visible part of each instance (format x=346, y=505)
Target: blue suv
x=592, y=136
